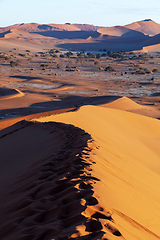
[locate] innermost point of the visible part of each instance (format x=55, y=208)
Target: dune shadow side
x=68, y=34
x=67, y=102
x=114, y=45
x=2, y=35
x=45, y=202
x=7, y=91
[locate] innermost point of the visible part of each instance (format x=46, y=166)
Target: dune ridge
x=7, y=93
x=126, y=104
x=131, y=37
x=97, y=178
x=148, y=27
x=127, y=164
x=50, y=197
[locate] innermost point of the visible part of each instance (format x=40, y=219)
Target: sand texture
x=48, y=185
x=129, y=105
x=127, y=165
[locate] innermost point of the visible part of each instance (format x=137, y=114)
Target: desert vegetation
x=114, y=69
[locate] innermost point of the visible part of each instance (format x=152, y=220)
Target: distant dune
x=119, y=31
x=148, y=27
x=131, y=37
x=129, y=105
x=35, y=27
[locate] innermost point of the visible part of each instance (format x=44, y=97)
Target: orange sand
x=127, y=104
x=127, y=164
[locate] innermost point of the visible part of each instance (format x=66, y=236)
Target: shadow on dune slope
x=68, y=102
x=68, y=34
x=47, y=199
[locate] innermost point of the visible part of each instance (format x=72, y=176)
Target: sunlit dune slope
x=127, y=164
x=120, y=31
x=130, y=37
x=113, y=31
x=152, y=48
x=148, y=27
x=18, y=33
x=123, y=103
x=135, y=29
x=129, y=105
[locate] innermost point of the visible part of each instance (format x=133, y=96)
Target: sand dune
x=153, y=40
x=18, y=33
x=152, y=48
x=7, y=93
x=129, y=105
x=44, y=190
x=127, y=164
x=84, y=36
x=120, y=31
x=124, y=103
x=98, y=179
x=113, y=31
x=148, y=27
x=35, y=27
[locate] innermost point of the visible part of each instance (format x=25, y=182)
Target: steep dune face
x=153, y=40
x=148, y=27
x=43, y=180
x=127, y=164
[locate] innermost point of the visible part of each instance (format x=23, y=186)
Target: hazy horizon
x=75, y=23
x=98, y=13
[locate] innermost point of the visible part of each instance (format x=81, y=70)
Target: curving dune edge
x=89, y=174
x=8, y=93
x=127, y=164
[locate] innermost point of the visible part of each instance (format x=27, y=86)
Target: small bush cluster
x=109, y=69
x=14, y=64
x=44, y=66
x=54, y=51
x=155, y=70
x=22, y=54
x=142, y=71
x=69, y=54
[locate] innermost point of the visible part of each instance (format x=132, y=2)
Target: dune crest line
x=52, y=196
